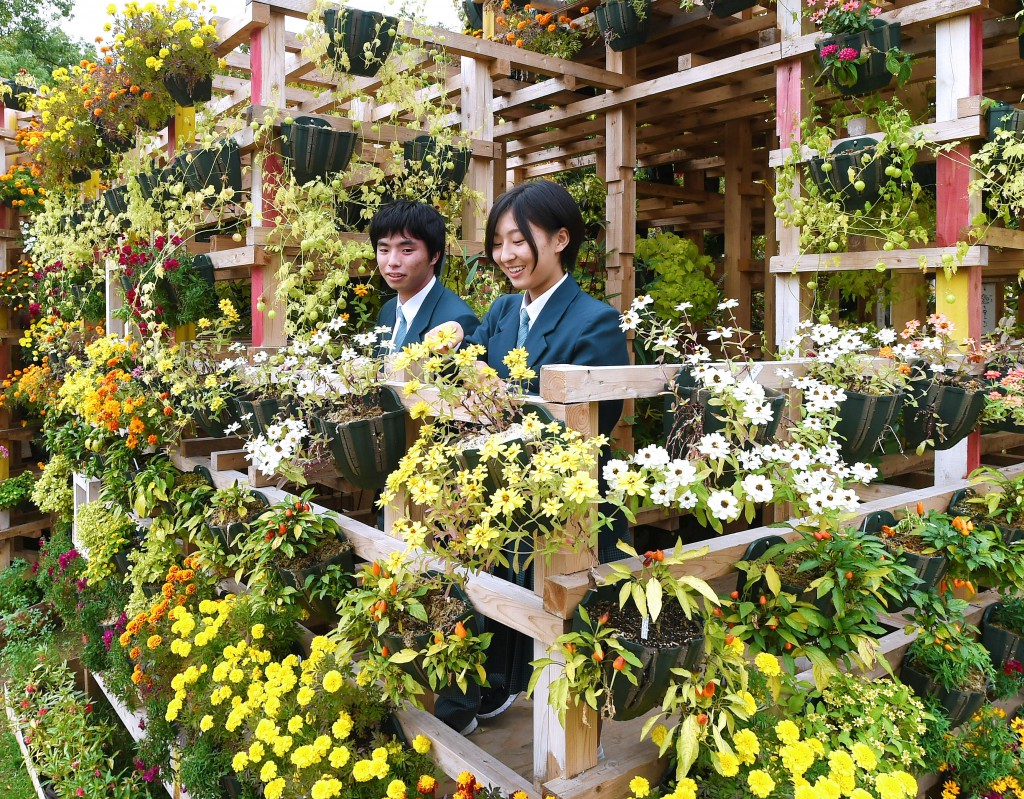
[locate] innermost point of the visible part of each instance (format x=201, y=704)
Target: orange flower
x=519, y=42
x=152, y=440
x=154, y=641
x=552, y=28
x=147, y=95
x=585, y=10
x=135, y=654
x=521, y=25
x=511, y=37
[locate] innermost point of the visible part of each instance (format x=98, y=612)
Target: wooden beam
x=894, y=260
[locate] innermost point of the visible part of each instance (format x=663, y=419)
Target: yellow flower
x=396, y=789
x=206, y=723
x=268, y=772
x=727, y=764
x=339, y=757
x=747, y=746
x=294, y=724
x=787, y=731
x=362, y=771
x=343, y=726
x=864, y=756
x=767, y=664
x=333, y=681
x=685, y=789
x=658, y=735
x=257, y=631
x=640, y=787
x=239, y=762
x=760, y=783
x=421, y=743
x=274, y=789
x=889, y=787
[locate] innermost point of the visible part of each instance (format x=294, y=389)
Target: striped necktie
x=524, y=327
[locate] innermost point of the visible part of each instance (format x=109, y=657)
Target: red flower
x=848, y=54
x=829, y=50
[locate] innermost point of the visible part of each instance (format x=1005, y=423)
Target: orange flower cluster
x=524, y=28
x=143, y=633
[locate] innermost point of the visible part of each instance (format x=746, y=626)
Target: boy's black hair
x=416, y=220
x=544, y=204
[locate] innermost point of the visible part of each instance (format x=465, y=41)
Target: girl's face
x=512, y=253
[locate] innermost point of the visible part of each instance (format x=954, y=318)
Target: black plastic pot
x=116, y=200
x=872, y=75
x=80, y=175
x=863, y=418
x=686, y=390
x=944, y=414
x=838, y=183
x=231, y=788
x=1003, y=116
x=315, y=149
x=622, y=28
x=185, y=95
x=395, y=642
x=230, y=533
x=958, y=706
x=474, y=14
x=1010, y=534
x=632, y=701
x=366, y=451
x=424, y=151
x=366, y=37
x=726, y=8
x=320, y=612
x=930, y=569
x=213, y=426
x=219, y=167
x=1002, y=644
x=17, y=98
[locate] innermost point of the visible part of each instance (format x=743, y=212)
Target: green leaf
x=654, y=597
x=687, y=745
x=772, y=578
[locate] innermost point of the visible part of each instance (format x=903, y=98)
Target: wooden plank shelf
x=896, y=260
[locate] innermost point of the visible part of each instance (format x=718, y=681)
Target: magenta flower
x=829, y=50
x=848, y=54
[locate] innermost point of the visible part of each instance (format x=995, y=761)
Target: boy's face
x=404, y=263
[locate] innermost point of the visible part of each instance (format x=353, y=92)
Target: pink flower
x=829, y=50
x=875, y=11
x=848, y=54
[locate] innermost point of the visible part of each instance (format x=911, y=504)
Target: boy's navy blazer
x=440, y=305
x=573, y=328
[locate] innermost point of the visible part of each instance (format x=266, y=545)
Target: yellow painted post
x=6, y=363
x=488, y=21
x=184, y=133
x=91, y=187
x=958, y=296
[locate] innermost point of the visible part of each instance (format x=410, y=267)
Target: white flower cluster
x=281, y=443
x=748, y=406
x=818, y=398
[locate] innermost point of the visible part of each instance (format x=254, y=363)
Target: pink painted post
x=789, y=101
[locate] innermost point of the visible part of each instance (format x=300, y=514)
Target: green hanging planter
x=423, y=152
x=396, y=643
x=1002, y=644
x=257, y=415
x=957, y=705
x=16, y=96
x=944, y=414
x=840, y=183
x=365, y=37
x=1003, y=116
x=863, y=418
x=366, y=451
x=872, y=75
x=219, y=166
x=474, y=14
x=315, y=149
x=726, y=8
x=622, y=27
x=321, y=612
x=116, y=200
x=632, y=701
x=685, y=389
x=187, y=95
x=229, y=534
x=930, y=569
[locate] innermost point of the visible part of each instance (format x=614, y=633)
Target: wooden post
x=620, y=211
x=738, y=172
x=266, y=57
x=563, y=751
x=958, y=62
x=478, y=123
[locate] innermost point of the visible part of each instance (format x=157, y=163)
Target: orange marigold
x=135, y=654
x=154, y=641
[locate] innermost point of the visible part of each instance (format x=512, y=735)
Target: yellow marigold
x=787, y=731
x=362, y=771
x=760, y=783
x=767, y=664
x=864, y=756
x=333, y=681
x=426, y=784
x=640, y=787
x=727, y=764
x=421, y=743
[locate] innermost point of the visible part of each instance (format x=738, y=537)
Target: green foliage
x=1010, y=614
x=674, y=272
x=978, y=555
x=945, y=648
x=982, y=752
x=15, y=490
x=17, y=589
x=31, y=38
x=103, y=531
x=201, y=766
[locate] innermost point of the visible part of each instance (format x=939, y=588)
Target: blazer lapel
x=547, y=322
x=421, y=324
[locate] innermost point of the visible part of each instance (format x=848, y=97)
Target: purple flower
x=137, y=372
x=829, y=50
x=848, y=54
x=108, y=638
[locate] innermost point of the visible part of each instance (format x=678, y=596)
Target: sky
x=90, y=15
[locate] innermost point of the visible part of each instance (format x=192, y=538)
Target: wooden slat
x=854, y=261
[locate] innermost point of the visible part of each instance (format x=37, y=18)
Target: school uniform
x=432, y=305
x=567, y=326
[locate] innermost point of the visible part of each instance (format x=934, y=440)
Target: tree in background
x=31, y=39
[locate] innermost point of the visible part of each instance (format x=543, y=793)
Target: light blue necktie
x=399, y=338
x=524, y=327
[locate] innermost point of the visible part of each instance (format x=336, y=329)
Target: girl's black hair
x=544, y=204
x=413, y=219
